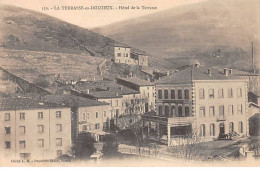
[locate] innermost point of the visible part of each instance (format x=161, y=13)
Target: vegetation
x=84, y=146
x=110, y=147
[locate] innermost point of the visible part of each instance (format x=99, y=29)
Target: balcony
x=174, y=121
x=221, y=118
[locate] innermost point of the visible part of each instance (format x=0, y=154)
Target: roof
x=239, y=72
x=116, y=44
x=136, y=81
x=192, y=73
x=71, y=100
x=105, y=89
x=139, y=52
x=23, y=103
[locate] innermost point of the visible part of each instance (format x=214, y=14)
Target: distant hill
x=29, y=30
x=195, y=31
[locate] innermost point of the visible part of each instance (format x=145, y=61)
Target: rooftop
x=105, y=89
x=136, y=81
x=116, y=44
x=189, y=74
x=22, y=103
x=70, y=100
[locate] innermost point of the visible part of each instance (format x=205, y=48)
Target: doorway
x=221, y=128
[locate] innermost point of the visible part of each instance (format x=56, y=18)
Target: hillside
x=29, y=30
x=195, y=31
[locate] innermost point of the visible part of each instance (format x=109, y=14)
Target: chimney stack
x=226, y=71
x=168, y=73
x=209, y=71
x=87, y=91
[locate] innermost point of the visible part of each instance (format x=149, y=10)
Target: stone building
x=199, y=100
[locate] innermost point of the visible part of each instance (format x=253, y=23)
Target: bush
x=42, y=82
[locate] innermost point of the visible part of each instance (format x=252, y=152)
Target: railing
x=180, y=120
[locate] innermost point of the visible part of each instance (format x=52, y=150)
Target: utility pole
x=253, y=60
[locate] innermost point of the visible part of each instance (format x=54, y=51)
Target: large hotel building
x=197, y=99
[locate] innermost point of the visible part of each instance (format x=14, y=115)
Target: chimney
x=230, y=71
x=226, y=71
x=168, y=73
x=116, y=94
x=87, y=91
x=120, y=87
x=107, y=88
x=209, y=71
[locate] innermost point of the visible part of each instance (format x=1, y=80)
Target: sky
x=97, y=18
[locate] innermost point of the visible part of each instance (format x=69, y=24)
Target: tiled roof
x=71, y=100
x=137, y=81
x=118, y=45
x=192, y=73
x=23, y=103
x=105, y=89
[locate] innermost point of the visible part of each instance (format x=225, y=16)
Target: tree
x=110, y=147
x=84, y=145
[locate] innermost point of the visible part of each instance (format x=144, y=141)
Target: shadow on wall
x=254, y=125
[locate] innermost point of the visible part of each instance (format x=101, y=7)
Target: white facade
x=35, y=133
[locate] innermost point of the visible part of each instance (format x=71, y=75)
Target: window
x=58, y=114
x=239, y=92
x=202, y=130
x=212, y=129
x=239, y=109
x=40, y=128
x=118, y=54
x=87, y=115
x=160, y=110
x=202, y=111
x=58, y=127
x=230, y=93
x=160, y=94
x=173, y=110
x=179, y=94
x=22, y=129
x=165, y=94
x=96, y=114
x=221, y=111
x=126, y=55
x=7, y=116
x=230, y=110
x=105, y=114
x=211, y=93
x=7, y=130
x=220, y=93
x=58, y=141
x=211, y=111
x=201, y=93
x=22, y=144
x=166, y=110
x=59, y=153
x=84, y=127
x=186, y=94
x=231, y=127
x=172, y=94
x=240, y=127
x=7, y=144
x=187, y=111
x=84, y=116
x=22, y=116
x=97, y=126
x=180, y=111
x=40, y=143
x=40, y=115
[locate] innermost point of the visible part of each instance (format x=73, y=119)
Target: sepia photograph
x=130, y=83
